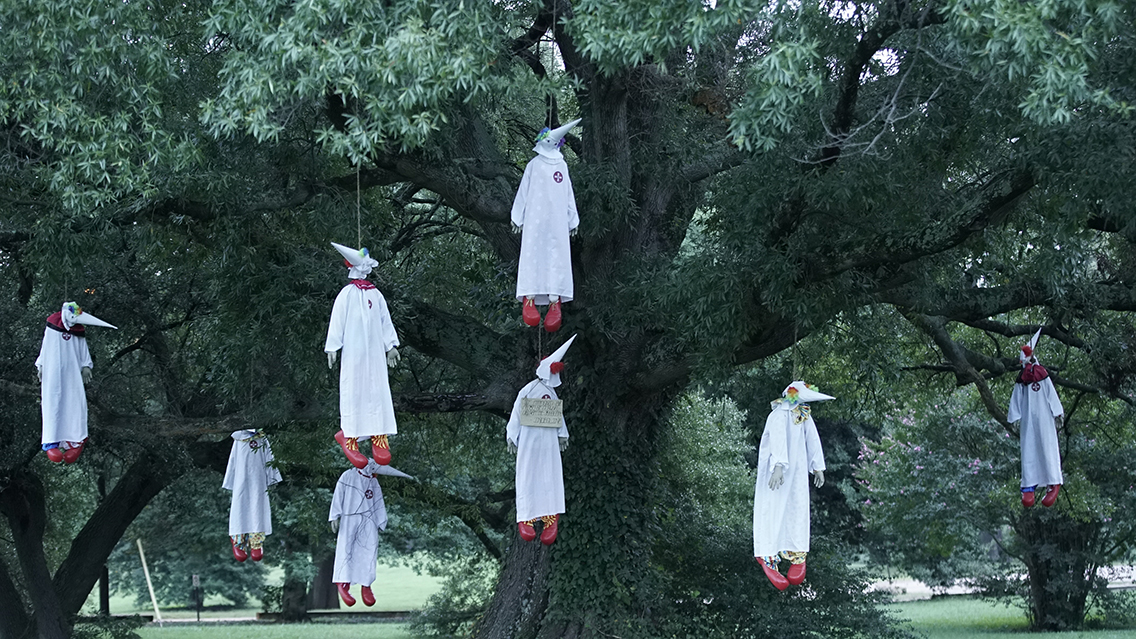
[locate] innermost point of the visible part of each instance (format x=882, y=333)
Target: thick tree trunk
x=13, y=614
x=294, y=600
x=23, y=502
x=596, y=575
x=56, y=599
x=1060, y=555
x=521, y=597
x=322, y=594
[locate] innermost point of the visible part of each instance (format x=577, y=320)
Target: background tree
x=188, y=162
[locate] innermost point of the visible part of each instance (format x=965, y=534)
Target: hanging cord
x=358, y=207
x=796, y=359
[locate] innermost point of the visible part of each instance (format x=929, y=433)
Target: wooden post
x=149, y=584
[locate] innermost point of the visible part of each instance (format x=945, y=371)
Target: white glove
x=563, y=444
x=393, y=357
x=39, y=373
x=572, y=233
x=818, y=478
x=331, y=357
x=1059, y=421
x=512, y=447
x=777, y=478
x=517, y=229
x=86, y=373
x=334, y=525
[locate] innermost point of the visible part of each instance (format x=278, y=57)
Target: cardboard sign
x=542, y=413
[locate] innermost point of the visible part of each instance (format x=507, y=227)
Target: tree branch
x=91, y=547
x=956, y=354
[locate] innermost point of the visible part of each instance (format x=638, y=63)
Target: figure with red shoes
x=789, y=452
x=64, y=367
x=361, y=328
x=249, y=474
x=537, y=434
x=357, y=514
x=1035, y=405
x=544, y=213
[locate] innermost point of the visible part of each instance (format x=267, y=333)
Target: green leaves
x=399, y=68
x=1052, y=48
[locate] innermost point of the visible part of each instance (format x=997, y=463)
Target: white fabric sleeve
x=777, y=446
x=573, y=216
x=39, y=360
x=84, y=354
x=513, y=429
x=230, y=470
x=1014, y=412
x=337, y=501
x=813, y=450
x=518, y=213
x=338, y=324
x=390, y=336
x=1052, y=399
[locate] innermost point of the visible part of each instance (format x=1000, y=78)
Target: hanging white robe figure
x=361, y=327
x=789, y=452
x=248, y=476
x=359, y=513
x=64, y=365
x=544, y=210
x=1034, y=403
x=540, y=474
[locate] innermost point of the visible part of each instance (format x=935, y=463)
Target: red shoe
x=350, y=449
x=1051, y=495
x=529, y=312
x=344, y=595
x=54, y=454
x=1028, y=499
x=548, y=535
x=71, y=455
x=777, y=579
x=525, y=529
x=238, y=553
x=380, y=450
x=256, y=553
x=368, y=596
x=796, y=574
x=552, y=317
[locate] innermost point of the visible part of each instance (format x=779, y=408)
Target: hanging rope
x=796, y=359
x=358, y=207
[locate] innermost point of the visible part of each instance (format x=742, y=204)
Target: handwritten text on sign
x=543, y=413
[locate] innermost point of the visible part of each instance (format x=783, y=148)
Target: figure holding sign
x=537, y=434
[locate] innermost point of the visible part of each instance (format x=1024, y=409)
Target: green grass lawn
x=278, y=631
x=396, y=588
x=959, y=617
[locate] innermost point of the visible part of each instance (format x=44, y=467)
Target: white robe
x=62, y=356
x=361, y=326
x=540, y=475
x=358, y=505
x=545, y=208
x=248, y=475
x=1036, y=409
x=781, y=516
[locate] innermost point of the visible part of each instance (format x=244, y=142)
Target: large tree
x=748, y=174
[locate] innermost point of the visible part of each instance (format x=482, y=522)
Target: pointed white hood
x=72, y=314
x=804, y=393
x=376, y=469
x=1029, y=351
x=546, y=370
x=548, y=142
x=360, y=260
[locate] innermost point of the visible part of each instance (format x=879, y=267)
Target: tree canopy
x=878, y=195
